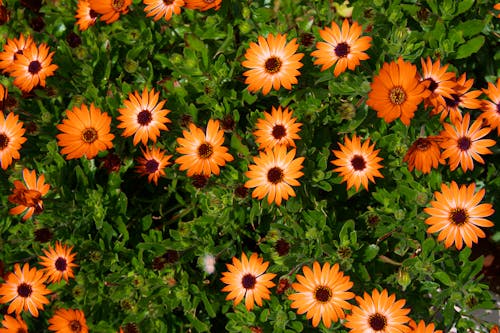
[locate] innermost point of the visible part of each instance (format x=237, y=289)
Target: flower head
x=422, y=328
x=163, y=8
x=491, y=108
x=143, y=116
x=274, y=173
x=202, y=152
x=277, y=128
x=203, y=5
x=32, y=67
x=110, y=9
x=85, y=15
x=25, y=289
x=85, y=132
x=273, y=63
x=357, y=163
x=343, y=47
x=247, y=279
x=11, y=138
x=13, y=325
x=152, y=164
x=11, y=49
x=424, y=154
x=322, y=293
x=396, y=92
x=58, y=263
x=379, y=313
x=68, y=321
x=441, y=83
x=457, y=215
x=28, y=197
x=463, y=144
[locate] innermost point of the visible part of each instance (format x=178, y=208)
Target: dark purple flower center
x=422, y=144
x=75, y=326
x=273, y=65
x=151, y=166
x=432, y=85
x=248, y=281
x=279, y=131
x=322, y=294
x=89, y=135
x=24, y=290
x=458, y=216
x=144, y=117
x=205, y=150
x=358, y=163
x=377, y=322
x=342, y=50
x=61, y=264
x=452, y=102
x=464, y=143
x=34, y=67
x=4, y=141
x=275, y=175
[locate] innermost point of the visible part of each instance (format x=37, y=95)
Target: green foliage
x=140, y=247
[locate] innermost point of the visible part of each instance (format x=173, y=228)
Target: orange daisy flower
x=152, y=164
x=28, y=197
x=462, y=144
x=357, y=163
x=424, y=154
x=11, y=138
x=85, y=15
x=273, y=63
x=25, y=289
x=3, y=96
x=11, y=49
x=457, y=215
x=110, y=9
x=491, y=109
x=32, y=67
x=163, y=8
x=59, y=263
x=274, y=173
x=441, y=83
x=68, y=321
x=378, y=313
x=343, y=47
x=422, y=328
x=246, y=279
x=460, y=98
x=85, y=132
x=322, y=293
x=202, y=153
x=203, y=5
x=278, y=128
x=396, y=92
x=495, y=328
x=13, y=325
x=143, y=116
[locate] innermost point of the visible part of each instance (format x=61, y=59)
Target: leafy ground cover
x=248, y=166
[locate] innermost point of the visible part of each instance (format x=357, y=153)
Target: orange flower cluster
x=27, y=63
x=25, y=289
x=323, y=294
x=109, y=11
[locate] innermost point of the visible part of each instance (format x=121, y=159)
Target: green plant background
x=118, y=223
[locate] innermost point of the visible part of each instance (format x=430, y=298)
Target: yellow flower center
x=89, y=135
x=273, y=65
x=397, y=95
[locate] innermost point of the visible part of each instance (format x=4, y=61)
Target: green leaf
x=471, y=46
x=443, y=278
x=463, y=6
x=370, y=252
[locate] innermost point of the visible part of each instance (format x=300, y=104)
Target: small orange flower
x=163, y=8
x=274, y=173
x=379, y=313
x=85, y=132
x=424, y=154
x=110, y=9
x=457, y=215
x=12, y=48
x=357, y=163
x=152, y=164
x=462, y=144
x=68, y=321
x=495, y=328
x=203, y=5
x=202, y=153
x=422, y=328
x=85, y=15
x=143, y=116
x=278, y=128
x=58, y=263
x=322, y=293
x=441, y=83
x=3, y=96
x=273, y=63
x=491, y=109
x=32, y=67
x=343, y=47
x=28, y=197
x=25, y=289
x=460, y=98
x=396, y=92
x=13, y=325
x=246, y=279
x=497, y=7
x=11, y=138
